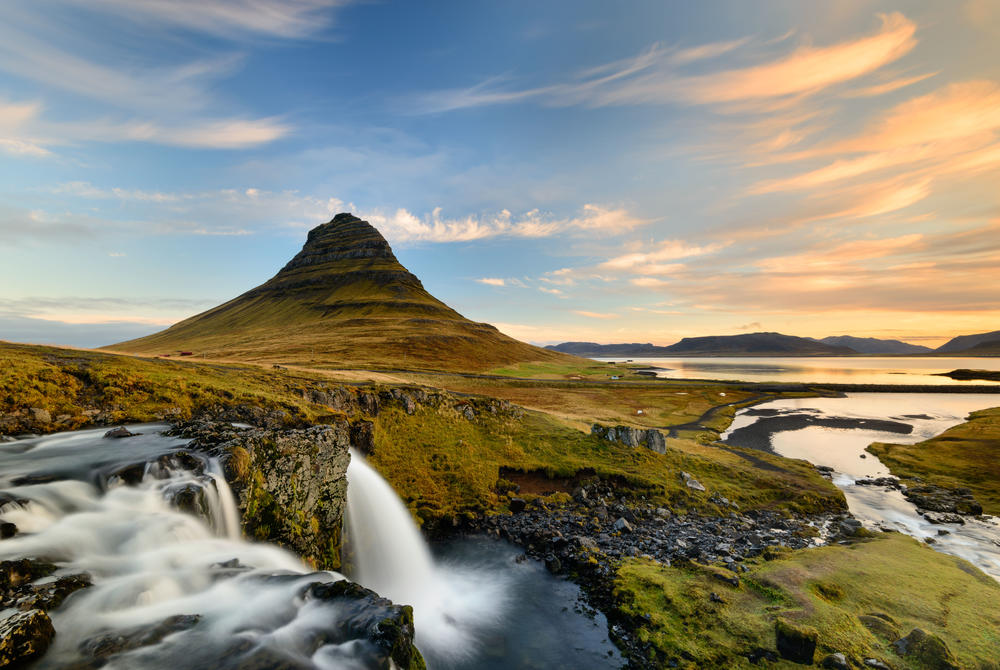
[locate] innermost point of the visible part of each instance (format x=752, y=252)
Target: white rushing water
x=843, y=449
x=454, y=608
x=149, y=561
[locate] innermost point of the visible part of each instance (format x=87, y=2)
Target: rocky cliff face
x=290, y=485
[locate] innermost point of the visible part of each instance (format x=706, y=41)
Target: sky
x=579, y=170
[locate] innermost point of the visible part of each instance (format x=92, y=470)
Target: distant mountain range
x=966, y=343
x=777, y=344
x=872, y=345
x=753, y=344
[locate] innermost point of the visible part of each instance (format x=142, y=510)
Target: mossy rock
x=927, y=650
x=795, y=642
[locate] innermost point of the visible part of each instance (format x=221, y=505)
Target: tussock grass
x=827, y=589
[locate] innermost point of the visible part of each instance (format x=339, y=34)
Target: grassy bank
x=444, y=464
x=964, y=456
x=859, y=598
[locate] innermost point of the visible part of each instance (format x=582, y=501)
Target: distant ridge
x=968, y=342
x=344, y=300
x=872, y=345
x=749, y=344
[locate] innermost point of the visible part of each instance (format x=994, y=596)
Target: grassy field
x=827, y=589
x=967, y=455
x=445, y=465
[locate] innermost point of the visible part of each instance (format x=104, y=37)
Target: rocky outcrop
x=939, y=499
x=24, y=636
x=290, y=485
x=650, y=438
x=925, y=649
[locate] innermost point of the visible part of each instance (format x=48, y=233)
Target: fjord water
x=914, y=370
x=149, y=561
x=912, y=417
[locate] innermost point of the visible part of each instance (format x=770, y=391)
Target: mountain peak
x=344, y=299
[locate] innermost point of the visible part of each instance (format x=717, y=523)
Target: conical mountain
x=343, y=301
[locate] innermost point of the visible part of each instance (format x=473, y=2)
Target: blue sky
x=569, y=171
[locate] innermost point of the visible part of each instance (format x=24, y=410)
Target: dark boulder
x=24, y=636
x=794, y=642
x=926, y=649
x=119, y=433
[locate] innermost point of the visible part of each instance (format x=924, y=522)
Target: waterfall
x=390, y=556
x=453, y=605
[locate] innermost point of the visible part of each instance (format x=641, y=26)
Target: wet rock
x=939, y=499
x=24, y=636
x=20, y=571
x=104, y=645
x=944, y=517
x=835, y=662
x=119, y=433
x=51, y=594
x=927, y=649
x=362, y=613
x=795, y=643
x=189, y=498
x=7, y=529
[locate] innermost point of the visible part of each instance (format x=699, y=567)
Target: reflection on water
x=822, y=369
x=843, y=449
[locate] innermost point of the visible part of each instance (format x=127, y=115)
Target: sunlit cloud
x=652, y=77
x=492, y=281
x=595, y=315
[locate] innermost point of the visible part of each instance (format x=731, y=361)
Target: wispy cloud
x=653, y=77
x=227, y=18
x=404, y=226
x=492, y=281
x=595, y=315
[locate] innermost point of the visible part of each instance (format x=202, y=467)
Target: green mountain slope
x=343, y=301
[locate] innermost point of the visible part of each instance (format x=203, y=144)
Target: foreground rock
x=290, y=485
x=24, y=636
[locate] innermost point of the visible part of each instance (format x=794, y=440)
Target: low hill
x=755, y=344
x=873, y=345
x=988, y=348
x=964, y=343
x=343, y=301
x=751, y=344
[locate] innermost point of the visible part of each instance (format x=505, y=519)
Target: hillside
x=873, y=345
x=343, y=301
x=963, y=343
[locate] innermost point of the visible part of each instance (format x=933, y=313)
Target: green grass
x=967, y=455
x=827, y=589
x=444, y=465
x=69, y=383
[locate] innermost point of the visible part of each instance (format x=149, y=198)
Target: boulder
x=622, y=525
x=119, y=433
x=517, y=505
x=24, y=636
x=835, y=662
x=926, y=649
x=795, y=643
x=691, y=482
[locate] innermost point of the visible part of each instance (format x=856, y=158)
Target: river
x=834, y=432
x=914, y=370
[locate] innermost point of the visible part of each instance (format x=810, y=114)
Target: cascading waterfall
x=453, y=605
x=149, y=561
